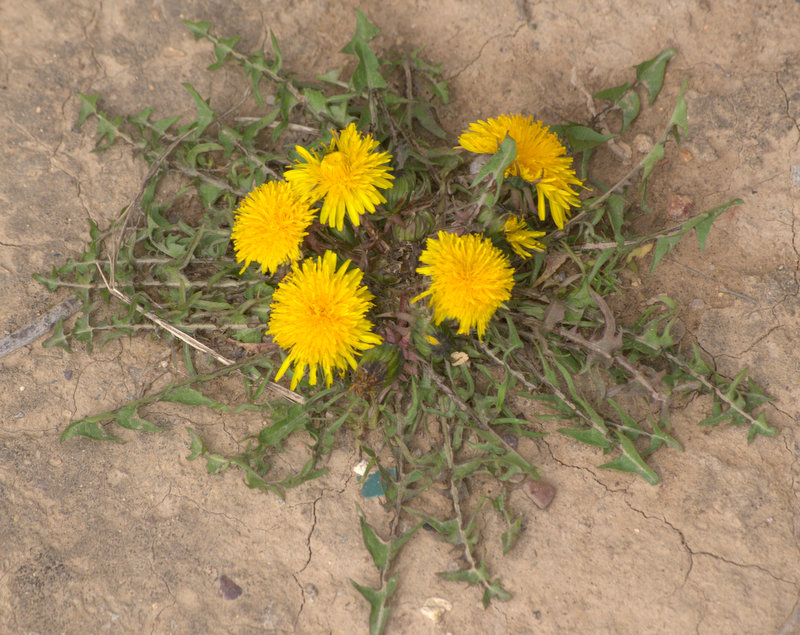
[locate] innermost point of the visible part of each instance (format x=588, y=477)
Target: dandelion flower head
x=348, y=177
x=470, y=279
x=520, y=238
x=269, y=226
x=318, y=315
x=541, y=159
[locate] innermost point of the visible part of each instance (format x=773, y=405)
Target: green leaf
x=379, y=603
x=664, y=245
x=128, y=417
x=590, y=436
x=678, y=118
x=58, y=338
x=760, y=426
x=51, y=283
x=296, y=419
x=196, y=446
x=107, y=130
x=228, y=139
x=631, y=461
x=276, y=51
x=223, y=47
x=332, y=77
x=424, y=113
x=630, y=109
x=216, y=463
x=616, y=215
x=378, y=548
x=209, y=194
x=88, y=106
x=447, y=529
x=661, y=436
x=491, y=588
x=704, y=225
x=198, y=29
x=190, y=397
x=613, y=94
x=254, y=128
x=90, y=427
x=162, y=125
x=317, y=101
x=201, y=148
x=83, y=331
x=365, y=31
x=205, y=114
x=497, y=165
x=648, y=163
x=581, y=137
x=307, y=473
x=366, y=74
x=651, y=72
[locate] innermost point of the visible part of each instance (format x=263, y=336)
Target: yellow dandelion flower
x=269, y=226
x=470, y=279
x=541, y=159
x=520, y=238
x=318, y=315
x=348, y=176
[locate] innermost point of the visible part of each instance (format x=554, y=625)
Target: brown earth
x=129, y=537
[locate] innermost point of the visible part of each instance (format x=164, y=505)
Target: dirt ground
x=129, y=537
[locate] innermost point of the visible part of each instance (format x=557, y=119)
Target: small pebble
x=511, y=439
x=459, y=358
x=361, y=467
x=310, y=591
x=67, y=375
x=679, y=206
x=434, y=608
x=643, y=143
x=542, y=493
x=228, y=589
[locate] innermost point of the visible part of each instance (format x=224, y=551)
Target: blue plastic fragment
x=374, y=485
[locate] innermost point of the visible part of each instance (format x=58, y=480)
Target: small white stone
x=434, y=608
x=643, y=143
x=459, y=358
x=360, y=468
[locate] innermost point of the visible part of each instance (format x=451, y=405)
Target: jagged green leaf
x=631, y=461
x=379, y=549
x=650, y=73
x=498, y=164
x=378, y=602
x=58, y=338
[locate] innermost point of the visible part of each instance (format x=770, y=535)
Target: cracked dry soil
x=131, y=538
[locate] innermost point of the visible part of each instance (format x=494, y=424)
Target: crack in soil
x=308, y=560
x=163, y=581
x=213, y=513
x=581, y=468
x=692, y=553
x=480, y=51
x=681, y=535
x=787, y=101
